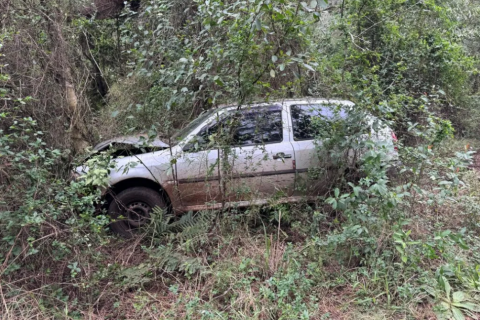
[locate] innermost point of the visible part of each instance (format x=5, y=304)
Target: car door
x=261, y=158
x=198, y=168
x=314, y=170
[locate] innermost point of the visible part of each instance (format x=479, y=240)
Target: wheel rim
x=138, y=213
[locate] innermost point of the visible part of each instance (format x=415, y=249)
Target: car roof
x=305, y=100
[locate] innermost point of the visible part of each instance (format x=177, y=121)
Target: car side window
x=260, y=125
x=305, y=119
x=252, y=126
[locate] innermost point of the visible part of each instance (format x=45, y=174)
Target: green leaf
x=356, y=191
x=218, y=81
x=448, y=289
x=458, y=296
x=337, y=192
x=400, y=250
x=430, y=291
x=258, y=24
x=323, y=3
x=309, y=67
x=274, y=58
x=444, y=306
x=457, y=314
x=445, y=182
x=467, y=305
x=305, y=6
x=332, y=202
x=281, y=67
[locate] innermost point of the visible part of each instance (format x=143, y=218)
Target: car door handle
x=281, y=155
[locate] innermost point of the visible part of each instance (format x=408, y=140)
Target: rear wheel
x=132, y=209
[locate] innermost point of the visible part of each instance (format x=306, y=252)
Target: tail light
x=395, y=140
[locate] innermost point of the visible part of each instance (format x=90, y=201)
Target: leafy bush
x=37, y=201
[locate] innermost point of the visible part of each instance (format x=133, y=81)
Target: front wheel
x=132, y=209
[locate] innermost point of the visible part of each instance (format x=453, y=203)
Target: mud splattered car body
x=269, y=151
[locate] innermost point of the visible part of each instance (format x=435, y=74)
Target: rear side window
x=305, y=119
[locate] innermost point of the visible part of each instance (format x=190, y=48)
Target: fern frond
x=188, y=227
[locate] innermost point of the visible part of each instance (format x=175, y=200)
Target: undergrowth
x=277, y=262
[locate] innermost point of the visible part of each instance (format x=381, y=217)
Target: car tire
x=131, y=208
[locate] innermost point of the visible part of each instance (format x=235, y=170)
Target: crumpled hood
x=140, y=139
x=134, y=148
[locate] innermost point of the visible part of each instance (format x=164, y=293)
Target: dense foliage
x=377, y=245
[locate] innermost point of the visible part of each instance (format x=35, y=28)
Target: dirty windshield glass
x=177, y=137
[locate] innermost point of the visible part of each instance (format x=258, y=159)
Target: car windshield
x=180, y=135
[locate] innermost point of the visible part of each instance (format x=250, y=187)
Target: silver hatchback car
x=269, y=151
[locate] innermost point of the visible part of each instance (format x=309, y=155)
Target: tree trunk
x=77, y=124
x=78, y=129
